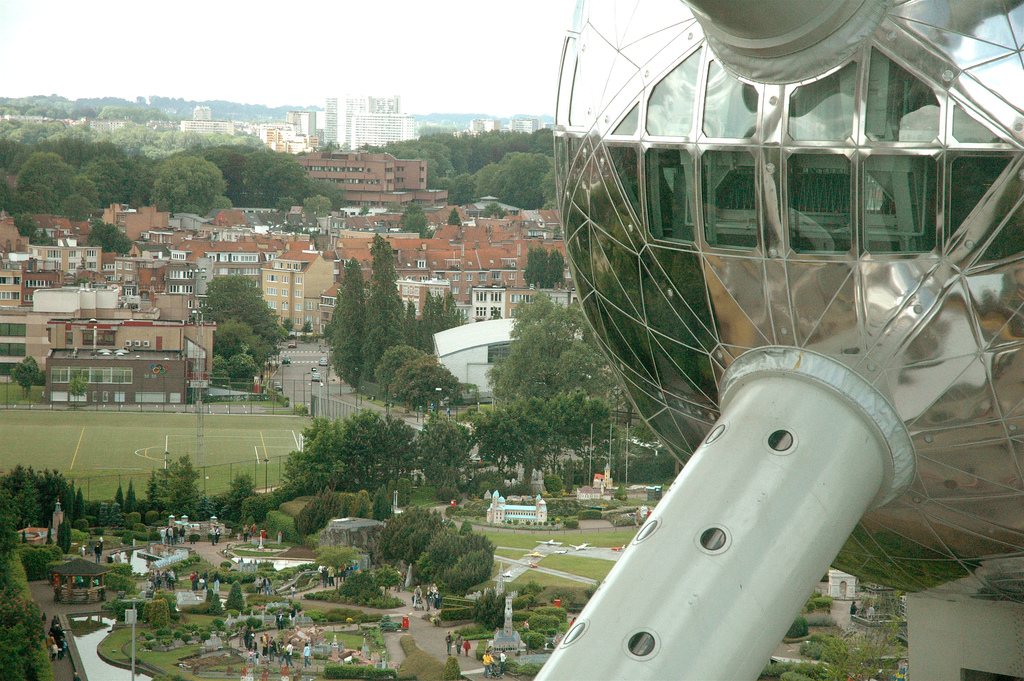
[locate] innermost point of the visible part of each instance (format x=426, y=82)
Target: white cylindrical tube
x=716, y=576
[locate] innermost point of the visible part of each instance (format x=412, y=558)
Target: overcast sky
x=467, y=56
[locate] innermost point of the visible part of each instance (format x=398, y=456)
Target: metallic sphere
x=862, y=204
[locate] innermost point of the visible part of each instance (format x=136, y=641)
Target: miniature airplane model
x=582, y=546
x=534, y=555
x=562, y=551
x=550, y=542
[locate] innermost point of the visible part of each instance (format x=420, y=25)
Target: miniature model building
x=501, y=512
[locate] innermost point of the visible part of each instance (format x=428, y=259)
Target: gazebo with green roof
x=79, y=581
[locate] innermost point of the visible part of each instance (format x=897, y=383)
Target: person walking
x=307, y=652
x=465, y=648
x=488, y=663
x=501, y=663
x=458, y=644
x=288, y=654
x=448, y=641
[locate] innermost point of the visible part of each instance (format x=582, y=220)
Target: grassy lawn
x=514, y=554
x=530, y=541
x=424, y=496
x=11, y=393
x=101, y=449
x=592, y=568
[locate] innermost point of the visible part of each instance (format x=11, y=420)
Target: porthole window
x=648, y=529
x=715, y=434
x=714, y=539
x=642, y=643
x=574, y=633
x=781, y=440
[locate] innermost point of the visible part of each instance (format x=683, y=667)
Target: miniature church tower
x=58, y=518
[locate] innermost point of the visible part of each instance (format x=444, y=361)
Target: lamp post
x=198, y=373
x=266, y=473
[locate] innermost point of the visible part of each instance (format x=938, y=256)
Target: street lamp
x=266, y=474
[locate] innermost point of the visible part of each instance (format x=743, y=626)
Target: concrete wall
x=948, y=634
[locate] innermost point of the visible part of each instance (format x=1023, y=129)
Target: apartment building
x=416, y=292
x=135, y=222
x=374, y=179
x=66, y=256
x=293, y=284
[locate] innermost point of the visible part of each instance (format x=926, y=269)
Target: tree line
x=370, y=319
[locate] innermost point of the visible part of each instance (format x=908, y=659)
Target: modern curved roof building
x=797, y=229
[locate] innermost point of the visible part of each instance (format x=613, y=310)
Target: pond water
x=95, y=668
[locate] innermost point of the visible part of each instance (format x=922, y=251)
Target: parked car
x=293, y=344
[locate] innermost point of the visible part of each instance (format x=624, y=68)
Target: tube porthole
x=781, y=441
x=714, y=539
x=642, y=643
x=715, y=434
x=574, y=633
x=647, y=530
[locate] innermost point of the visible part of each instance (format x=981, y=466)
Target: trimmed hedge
x=589, y=514
x=798, y=629
x=39, y=560
x=357, y=671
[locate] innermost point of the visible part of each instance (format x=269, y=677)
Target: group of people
x=55, y=640
x=432, y=598
x=459, y=644
x=164, y=579
x=172, y=535
x=493, y=667
x=200, y=581
x=266, y=649
x=263, y=586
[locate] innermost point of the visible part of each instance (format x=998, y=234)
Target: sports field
x=98, y=450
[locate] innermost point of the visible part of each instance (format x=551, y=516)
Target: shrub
x=540, y=622
x=811, y=650
x=235, y=600
x=534, y=640
x=156, y=614
x=140, y=529
x=38, y=561
x=152, y=517
x=589, y=514
x=279, y=522
x=345, y=614
x=571, y=524
x=418, y=663
x=451, y=670
x=798, y=629
x=454, y=614
x=528, y=669
x=552, y=611
x=132, y=519
x=82, y=525
x=819, y=604
x=357, y=671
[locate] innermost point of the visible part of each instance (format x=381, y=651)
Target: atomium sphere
x=860, y=203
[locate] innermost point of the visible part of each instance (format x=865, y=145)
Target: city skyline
x=443, y=39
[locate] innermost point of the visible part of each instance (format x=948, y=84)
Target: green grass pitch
x=101, y=449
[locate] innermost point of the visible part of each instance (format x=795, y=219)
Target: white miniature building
x=500, y=512
x=841, y=585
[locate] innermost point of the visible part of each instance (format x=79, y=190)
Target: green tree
x=424, y=381
x=337, y=557
x=239, y=298
x=235, y=337
x=443, y=447
x=551, y=351
x=26, y=373
x=519, y=179
x=187, y=184
x=461, y=189
x=405, y=537
x=383, y=322
x=493, y=210
x=390, y=364
x=456, y=561
x=236, y=599
x=454, y=218
x=48, y=179
x=130, y=503
x=317, y=206
x=387, y=577
x=77, y=386
x=64, y=536
x=240, y=489
x=451, y=671
x=381, y=504
x=439, y=314
x=346, y=327
x=108, y=237
x=177, y=487
x=540, y=267
x=414, y=220
x=26, y=225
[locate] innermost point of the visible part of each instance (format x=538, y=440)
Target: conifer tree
x=130, y=503
x=383, y=322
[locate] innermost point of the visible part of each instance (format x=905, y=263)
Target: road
x=296, y=377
